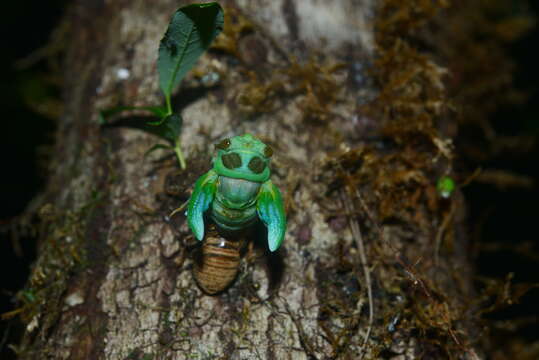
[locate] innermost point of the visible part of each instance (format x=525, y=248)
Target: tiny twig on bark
x=441, y=231
x=356, y=233
x=303, y=339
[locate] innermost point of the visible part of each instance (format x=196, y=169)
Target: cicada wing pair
x=269, y=204
x=270, y=208
x=200, y=201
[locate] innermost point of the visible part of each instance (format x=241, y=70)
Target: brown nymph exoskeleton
x=217, y=261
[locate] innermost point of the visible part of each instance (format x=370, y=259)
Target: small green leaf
x=445, y=186
x=157, y=147
x=158, y=111
x=29, y=295
x=189, y=34
x=168, y=128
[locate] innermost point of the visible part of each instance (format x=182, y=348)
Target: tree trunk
x=374, y=262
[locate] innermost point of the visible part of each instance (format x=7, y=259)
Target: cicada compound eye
x=231, y=160
x=256, y=165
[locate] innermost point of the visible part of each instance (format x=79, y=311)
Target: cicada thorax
x=218, y=260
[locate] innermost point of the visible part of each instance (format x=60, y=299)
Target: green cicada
x=238, y=190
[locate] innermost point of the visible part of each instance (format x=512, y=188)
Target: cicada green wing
x=270, y=209
x=200, y=201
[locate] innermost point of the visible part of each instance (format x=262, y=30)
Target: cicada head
x=243, y=157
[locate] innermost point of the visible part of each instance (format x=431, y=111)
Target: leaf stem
x=169, y=106
x=179, y=154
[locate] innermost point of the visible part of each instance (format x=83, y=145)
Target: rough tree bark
x=113, y=279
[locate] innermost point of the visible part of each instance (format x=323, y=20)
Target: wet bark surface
x=114, y=276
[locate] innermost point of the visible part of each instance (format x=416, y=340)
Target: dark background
x=503, y=223
x=26, y=141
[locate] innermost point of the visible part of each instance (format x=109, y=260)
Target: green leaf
x=157, y=147
x=169, y=128
x=189, y=34
x=29, y=295
x=158, y=111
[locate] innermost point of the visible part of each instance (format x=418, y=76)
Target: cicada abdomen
x=217, y=261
